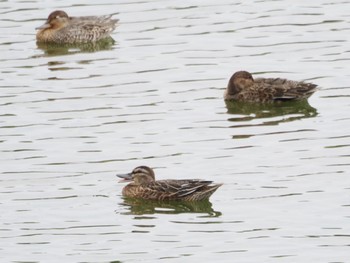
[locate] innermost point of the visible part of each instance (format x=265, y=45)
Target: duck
x=243, y=87
x=144, y=186
x=62, y=29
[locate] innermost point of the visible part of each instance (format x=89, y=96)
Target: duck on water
x=243, y=87
x=145, y=186
x=60, y=28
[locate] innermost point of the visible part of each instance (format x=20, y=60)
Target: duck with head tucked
x=59, y=28
x=242, y=87
x=145, y=186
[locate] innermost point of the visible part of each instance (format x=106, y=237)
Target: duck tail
x=309, y=89
x=204, y=193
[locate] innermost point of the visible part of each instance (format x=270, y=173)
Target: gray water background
x=71, y=118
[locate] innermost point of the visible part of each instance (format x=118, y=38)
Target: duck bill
x=44, y=26
x=125, y=177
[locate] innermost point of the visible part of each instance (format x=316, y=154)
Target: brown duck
x=242, y=87
x=145, y=186
x=60, y=28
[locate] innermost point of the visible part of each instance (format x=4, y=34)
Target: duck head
x=140, y=175
x=239, y=81
x=56, y=19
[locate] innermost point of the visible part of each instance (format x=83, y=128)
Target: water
x=71, y=118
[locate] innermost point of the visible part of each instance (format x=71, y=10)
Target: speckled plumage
x=242, y=87
x=145, y=186
x=60, y=28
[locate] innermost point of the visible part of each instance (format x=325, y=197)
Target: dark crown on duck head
x=143, y=170
x=242, y=74
x=56, y=14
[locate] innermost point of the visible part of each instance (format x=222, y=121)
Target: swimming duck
x=60, y=28
x=242, y=87
x=145, y=186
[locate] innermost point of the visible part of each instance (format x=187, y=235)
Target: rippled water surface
x=73, y=117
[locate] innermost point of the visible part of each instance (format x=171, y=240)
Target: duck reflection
x=53, y=49
x=290, y=110
x=141, y=207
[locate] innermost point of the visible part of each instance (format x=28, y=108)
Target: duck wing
x=175, y=189
x=94, y=19
x=89, y=28
x=283, y=89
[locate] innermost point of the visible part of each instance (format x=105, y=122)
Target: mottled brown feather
x=242, y=87
x=149, y=188
x=59, y=28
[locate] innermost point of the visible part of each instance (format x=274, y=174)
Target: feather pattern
x=59, y=28
x=146, y=187
x=242, y=87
